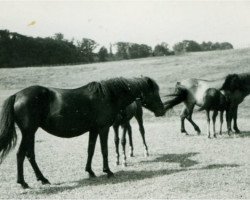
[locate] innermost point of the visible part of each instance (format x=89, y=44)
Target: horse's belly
x=65, y=127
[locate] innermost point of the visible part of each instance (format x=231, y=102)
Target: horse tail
x=8, y=134
x=179, y=96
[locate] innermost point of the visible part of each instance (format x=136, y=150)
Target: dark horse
x=123, y=120
x=191, y=92
x=216, y=101
x=69, y=113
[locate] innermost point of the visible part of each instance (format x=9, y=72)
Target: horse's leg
x=104, y=147
x=189, y=118
x=116, y=135
x=235, y=115
x=221, y=121
x=131, y=154
x=183, y=115
x=215, y=113
x=91, y=148
x=31, y=157
x=229, y=114
x=142, y=131
x=208, y=123
x=124, y=161
x=20, y=159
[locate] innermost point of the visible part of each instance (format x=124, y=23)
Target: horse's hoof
x=110, y=175
x=215, y=136
x=198, y=132
x=45, y=181
x=131, y=155
x=209, y=137
x=237, y=131
x=124, y=164
x=92, y=175
x=24, y=185
x=146, y=155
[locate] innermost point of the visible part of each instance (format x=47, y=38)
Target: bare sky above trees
x=148, y=22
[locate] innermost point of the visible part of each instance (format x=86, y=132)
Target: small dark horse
x=216, y=101
x=123, y=118
x=69, y=113
x=191, y=92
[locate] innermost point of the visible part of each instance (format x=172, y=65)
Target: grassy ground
x=178, y=166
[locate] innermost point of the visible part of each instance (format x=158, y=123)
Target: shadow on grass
x=128, y=176
x=120, y=177
x=183, y=159
x=217, y=166
x=244, y=134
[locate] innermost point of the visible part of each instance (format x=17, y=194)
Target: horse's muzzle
x=160, y=113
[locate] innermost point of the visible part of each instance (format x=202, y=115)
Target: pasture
x=179, y=166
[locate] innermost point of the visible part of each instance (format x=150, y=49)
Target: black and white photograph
x=124, y=99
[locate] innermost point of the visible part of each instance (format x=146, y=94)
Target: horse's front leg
x=229, y=115
x=124, y=161
x=208, y=123
x=215, y=113
x=104, y=147
x=221, y=121
x=235, y=116
x=91, y=148
x=116, y=139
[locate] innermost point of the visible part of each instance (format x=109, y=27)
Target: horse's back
x=197, y=88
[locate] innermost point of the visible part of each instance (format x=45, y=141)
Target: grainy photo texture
x=124, y=99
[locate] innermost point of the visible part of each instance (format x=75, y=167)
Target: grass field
x=179, y=166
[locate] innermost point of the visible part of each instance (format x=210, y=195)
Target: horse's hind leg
x=116, y=138
x=142, y=131
x=31, y=157
x=183, y=115
x=20, y=159
x=215, y=113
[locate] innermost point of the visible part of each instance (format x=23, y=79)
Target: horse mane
x=232, y=82
x=115, y=86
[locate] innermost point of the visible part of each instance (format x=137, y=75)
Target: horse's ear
x=151, y=83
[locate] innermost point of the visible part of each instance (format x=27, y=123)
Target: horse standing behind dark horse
x=122, y=119
x=69, y=113
x=216, y=101
x=191, y=92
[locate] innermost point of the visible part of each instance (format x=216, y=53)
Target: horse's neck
x=246, y=84
x=126, y=98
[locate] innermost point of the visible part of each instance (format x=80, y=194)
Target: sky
x=143, y=22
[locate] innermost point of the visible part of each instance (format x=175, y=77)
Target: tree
x=187, y=46
x=58, y=36
x=226, y=45
x=103, y=54
x=86, y=49
x=122, y=50
x=161, y=49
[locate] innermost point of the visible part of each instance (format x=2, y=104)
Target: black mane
x=132, y=86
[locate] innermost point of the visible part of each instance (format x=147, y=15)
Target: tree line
x=18, y=50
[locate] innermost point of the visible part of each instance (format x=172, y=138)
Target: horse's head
x=232, y=83
x=151, y=98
